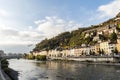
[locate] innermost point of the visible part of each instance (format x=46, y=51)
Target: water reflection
x=52, y=70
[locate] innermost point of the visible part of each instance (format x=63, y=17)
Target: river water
x=56, y=70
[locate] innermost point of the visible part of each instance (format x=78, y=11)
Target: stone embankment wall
x=3, y=75
x=93, y=59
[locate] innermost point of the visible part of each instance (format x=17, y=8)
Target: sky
x=24, y=23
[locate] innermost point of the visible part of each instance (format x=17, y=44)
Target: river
x=56, y=70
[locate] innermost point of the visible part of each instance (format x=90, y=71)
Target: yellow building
x=118, y=45
x=104, y=47
x=97, y=48
x=107, y=47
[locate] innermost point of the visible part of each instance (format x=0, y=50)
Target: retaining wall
x=94, y=59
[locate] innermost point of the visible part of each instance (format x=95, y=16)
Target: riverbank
x=7, y=73
x=99, y=59
x=13, y=74
x=90, y=60
x=111, y=60
x=88, y=63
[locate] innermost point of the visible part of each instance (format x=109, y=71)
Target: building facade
x=118, y=45
x=107, y=47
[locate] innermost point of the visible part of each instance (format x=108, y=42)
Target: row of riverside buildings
x=100, y=48
x=107, y=47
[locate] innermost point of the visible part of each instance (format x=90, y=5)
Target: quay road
x=1, y=74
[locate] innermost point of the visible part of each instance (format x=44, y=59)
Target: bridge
x=12, y=56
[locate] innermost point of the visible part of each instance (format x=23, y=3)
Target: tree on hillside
x=113, y=37
x=88, y=40
x=102, y=37
x=94, y=33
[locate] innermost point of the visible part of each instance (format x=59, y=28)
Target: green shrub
x=41, y=57
x=4, y=63
x=31, y=57
x=6, y=70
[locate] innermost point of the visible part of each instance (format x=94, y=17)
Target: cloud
x=51, y=26
x=3, y=13
x=105, y=12
x=110, y=9
x=10, y=32
x=46, y=28
x=13, y=36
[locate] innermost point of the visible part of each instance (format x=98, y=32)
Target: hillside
x=87, y=36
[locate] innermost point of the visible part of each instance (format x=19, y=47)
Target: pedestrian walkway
x=0, y=78
x=1, y=75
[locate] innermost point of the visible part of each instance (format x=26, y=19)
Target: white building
x=112, y=30
x=54, y=53
x=112, y=47
x=72, y=52
x=99, y=32
x=86, y=35
x=92, y=48
x=85, y=50
x=40, y=53
x=96, y=38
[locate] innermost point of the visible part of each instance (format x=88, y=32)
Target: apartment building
x=40, y=53
x=97, y=48
x=107, y=47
